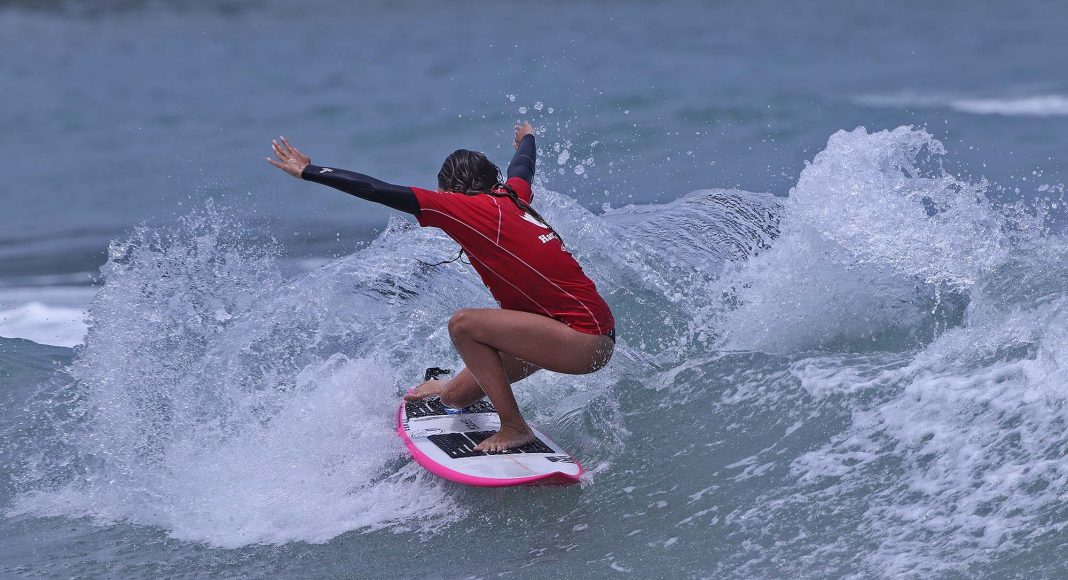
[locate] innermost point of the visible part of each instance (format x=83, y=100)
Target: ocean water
x=832, y=234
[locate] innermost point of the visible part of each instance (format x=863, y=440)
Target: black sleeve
x=523, y=161
x=364, y=187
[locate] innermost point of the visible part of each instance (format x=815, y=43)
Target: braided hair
x=472, y=173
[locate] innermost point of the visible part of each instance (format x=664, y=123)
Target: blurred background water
x=860, y=329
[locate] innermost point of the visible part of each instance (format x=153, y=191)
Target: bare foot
x=432, y=388
x=507, y=438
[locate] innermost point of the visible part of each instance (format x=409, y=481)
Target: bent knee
x=462, y=323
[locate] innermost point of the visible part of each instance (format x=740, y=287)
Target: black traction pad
x=460, y=445
x=433, y=406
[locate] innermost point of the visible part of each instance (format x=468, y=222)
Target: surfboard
x=442, y=440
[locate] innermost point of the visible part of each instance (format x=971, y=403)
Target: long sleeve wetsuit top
x=523, y=263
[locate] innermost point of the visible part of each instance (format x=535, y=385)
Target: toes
x=487, y=446
x=494, y=445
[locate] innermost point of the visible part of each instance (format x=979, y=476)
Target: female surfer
x=551, y=316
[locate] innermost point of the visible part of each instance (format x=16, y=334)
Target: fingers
x=294, y=153
x=283, y=149
x=290, y=159
x=279, y=151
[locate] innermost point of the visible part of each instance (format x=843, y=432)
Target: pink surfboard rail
x=554, y=478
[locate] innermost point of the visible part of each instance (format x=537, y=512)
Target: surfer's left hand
x=290, y=159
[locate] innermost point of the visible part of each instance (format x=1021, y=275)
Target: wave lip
x=878, y=248
x=1048, y=105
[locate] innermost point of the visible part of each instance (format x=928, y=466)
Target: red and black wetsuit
x=523, y=263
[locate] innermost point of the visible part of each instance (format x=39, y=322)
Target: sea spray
x=933, y=318
x=879, y=249
x=213, y=401
x=802, y=387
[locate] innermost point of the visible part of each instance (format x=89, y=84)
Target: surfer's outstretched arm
x=364, y=187
x=297, y=164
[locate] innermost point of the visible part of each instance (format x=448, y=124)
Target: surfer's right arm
x=297, y=164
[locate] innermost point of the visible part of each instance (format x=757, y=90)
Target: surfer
x=551, y=315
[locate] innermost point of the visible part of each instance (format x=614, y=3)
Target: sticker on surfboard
x=442, y=440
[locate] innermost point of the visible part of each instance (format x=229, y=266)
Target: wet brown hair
x=471, y=173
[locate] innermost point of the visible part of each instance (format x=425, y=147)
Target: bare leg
x=483, y=335
x=463, y=389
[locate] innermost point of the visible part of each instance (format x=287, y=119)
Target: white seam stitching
x=500, y=218
x=520, y=260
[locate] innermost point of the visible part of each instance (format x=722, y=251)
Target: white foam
x=320, y=467
x=1040, y=106
x=973, y=429
x=952, y=453
x=54, y=325
x=1048, y=105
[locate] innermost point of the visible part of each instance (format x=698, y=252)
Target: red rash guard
x=524, y=265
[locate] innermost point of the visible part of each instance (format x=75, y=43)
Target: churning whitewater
x=865, y=377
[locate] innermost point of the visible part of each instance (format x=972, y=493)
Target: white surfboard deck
x=444, y=444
